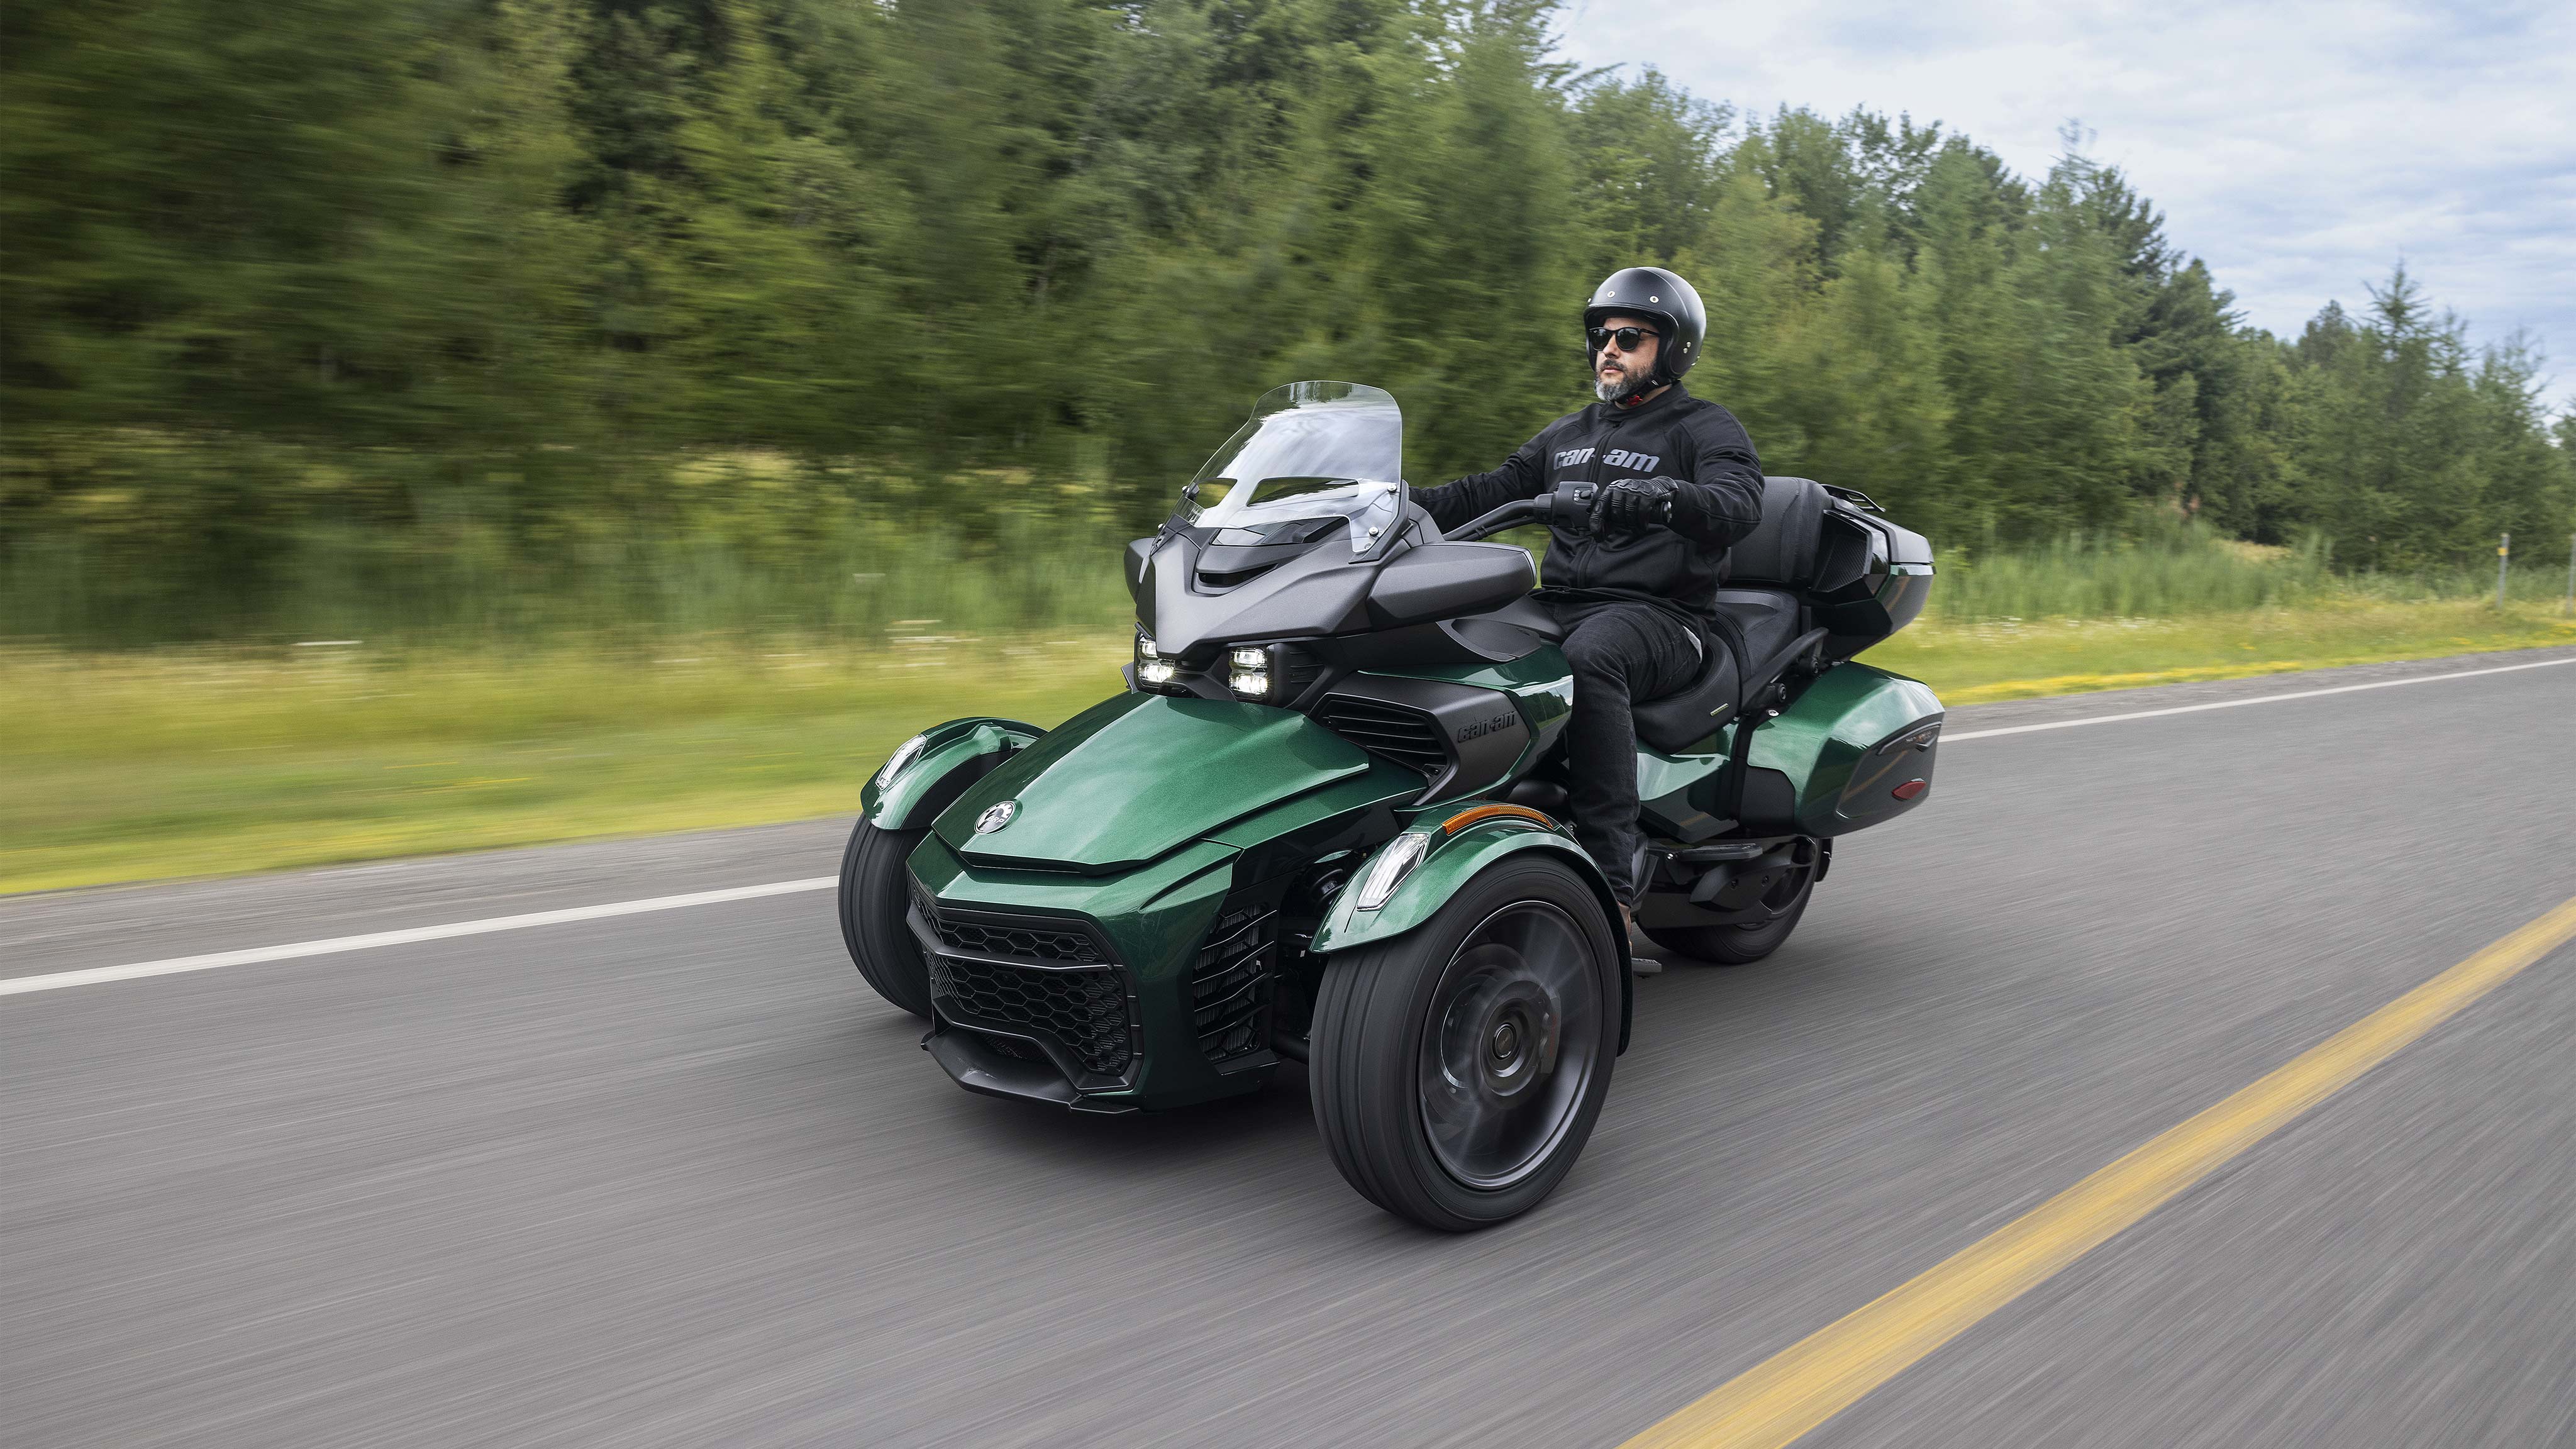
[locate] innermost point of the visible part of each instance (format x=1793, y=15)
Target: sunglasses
x=1628, y=338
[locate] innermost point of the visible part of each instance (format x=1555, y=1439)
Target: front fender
x=952, y=756
x=1454, y=859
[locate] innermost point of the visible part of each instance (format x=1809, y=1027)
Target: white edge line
x=336, y=944
x=2068, y=724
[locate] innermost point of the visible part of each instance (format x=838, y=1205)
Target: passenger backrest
x=1781, y=553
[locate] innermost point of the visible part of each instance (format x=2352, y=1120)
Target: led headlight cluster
x=1153, y=671
x=1261, y=673
x=1248, y=672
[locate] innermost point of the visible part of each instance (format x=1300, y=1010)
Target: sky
x=2301, y=149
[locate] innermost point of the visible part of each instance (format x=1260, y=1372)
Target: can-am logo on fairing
x=1484, y=727
x=996, y=816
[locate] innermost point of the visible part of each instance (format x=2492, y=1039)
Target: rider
x=1680, y=483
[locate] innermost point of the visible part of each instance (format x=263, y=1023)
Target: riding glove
x=1634, y=505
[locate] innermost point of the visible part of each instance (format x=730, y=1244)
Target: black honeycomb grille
x=1407, y=736
x=1085, y=1012
x=1026, y=942
x=1058, y=984
x=1230, y=985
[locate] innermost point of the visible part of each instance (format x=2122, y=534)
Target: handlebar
x=1570, y=504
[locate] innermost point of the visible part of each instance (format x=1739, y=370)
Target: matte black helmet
x=1662, y=298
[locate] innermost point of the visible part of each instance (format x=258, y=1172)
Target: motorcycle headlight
x=1250, y=674
x=1153, y=671
x=1390, y=868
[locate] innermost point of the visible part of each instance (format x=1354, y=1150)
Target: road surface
x=677, y=1178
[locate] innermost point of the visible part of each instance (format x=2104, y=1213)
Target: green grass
x=137, y=766
x=2014, y=659
x=177, y=763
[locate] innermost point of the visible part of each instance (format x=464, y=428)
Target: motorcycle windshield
x=1314, y=457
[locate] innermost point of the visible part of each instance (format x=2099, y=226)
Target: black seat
x=1780, y=552
x=1678, y=721
x=1768, y=571
x=1771, y=621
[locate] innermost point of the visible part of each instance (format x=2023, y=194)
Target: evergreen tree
x=510, y=280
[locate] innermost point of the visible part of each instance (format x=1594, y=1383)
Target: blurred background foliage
x=482, y=319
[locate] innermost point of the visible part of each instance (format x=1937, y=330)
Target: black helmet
x=1660, y=297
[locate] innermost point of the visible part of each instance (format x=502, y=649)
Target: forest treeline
x=498, y=288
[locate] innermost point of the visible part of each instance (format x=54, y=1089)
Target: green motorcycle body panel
x=1680, y=797
x=953, y=756
x=1829, y=763
x=1156, y=917
x=1137, y=776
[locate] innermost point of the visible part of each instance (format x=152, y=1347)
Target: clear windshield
x=1314, y=452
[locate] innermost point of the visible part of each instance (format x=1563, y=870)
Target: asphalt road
x=679, y=1179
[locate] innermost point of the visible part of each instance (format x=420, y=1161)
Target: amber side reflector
x=1910, y=789
x=1470, y=816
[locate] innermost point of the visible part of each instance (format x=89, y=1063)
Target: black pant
x=1621, y=653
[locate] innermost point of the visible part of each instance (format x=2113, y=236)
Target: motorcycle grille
x=1406, y=736
x=1230, y=986
x=1085, y=1012
x=1082, y=1011
x=1027, y=943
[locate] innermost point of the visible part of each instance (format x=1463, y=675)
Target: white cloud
x=2300, y=148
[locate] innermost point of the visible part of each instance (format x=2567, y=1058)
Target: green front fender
x=1454, y=860
x=952, y=756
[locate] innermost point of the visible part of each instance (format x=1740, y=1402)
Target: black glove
x=1634, y=505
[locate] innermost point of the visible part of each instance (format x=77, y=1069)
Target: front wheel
x=872, y=916
x=1457, y=1070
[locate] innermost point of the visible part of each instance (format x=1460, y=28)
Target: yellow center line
x=1801, y=1387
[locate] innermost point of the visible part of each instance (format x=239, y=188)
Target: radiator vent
x=1409, y=737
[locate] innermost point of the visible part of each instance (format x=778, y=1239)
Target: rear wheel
x=1457, y=1070
x=1742, y=945
x=872, y=916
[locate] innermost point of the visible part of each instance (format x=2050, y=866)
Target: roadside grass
x=145, y=766
x=124, y=767
x=2018, y=659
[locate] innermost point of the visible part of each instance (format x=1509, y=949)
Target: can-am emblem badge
x=996, y=816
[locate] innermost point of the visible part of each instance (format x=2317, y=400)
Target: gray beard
x=1628, y=385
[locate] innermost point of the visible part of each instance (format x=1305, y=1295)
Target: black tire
x=1520, y=964
x=872, y=916
x=1742, y=945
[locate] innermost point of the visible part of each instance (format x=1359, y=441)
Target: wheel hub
x=1519, y=1027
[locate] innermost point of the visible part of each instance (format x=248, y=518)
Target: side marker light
x=1910, y=789
x=1473, y=815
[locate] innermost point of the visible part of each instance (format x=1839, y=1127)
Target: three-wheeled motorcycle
x=1326, y=820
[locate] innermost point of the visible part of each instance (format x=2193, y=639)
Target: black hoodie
x=1674, y=435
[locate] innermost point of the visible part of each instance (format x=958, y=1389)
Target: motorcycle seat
x=1767, y=570
x=1768, y=620
x=1677, y=721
